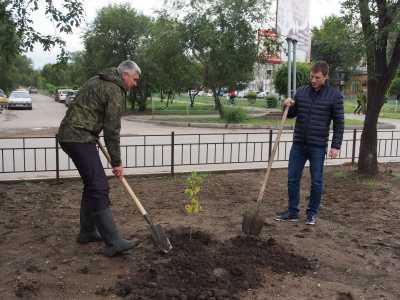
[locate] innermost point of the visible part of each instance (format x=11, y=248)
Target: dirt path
x=352, y=253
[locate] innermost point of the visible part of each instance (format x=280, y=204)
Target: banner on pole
x=293, y=21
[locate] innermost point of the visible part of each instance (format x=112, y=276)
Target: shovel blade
x=252, y=223
x=160, y=238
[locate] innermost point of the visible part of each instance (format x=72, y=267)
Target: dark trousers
x=299, y=154
x=87, y=160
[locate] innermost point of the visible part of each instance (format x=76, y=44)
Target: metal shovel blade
x=159, y=237
x=252, y=223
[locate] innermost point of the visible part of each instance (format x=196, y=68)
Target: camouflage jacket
x=97, y=107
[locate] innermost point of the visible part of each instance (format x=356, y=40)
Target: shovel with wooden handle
x=252, y=222
x=157, y=232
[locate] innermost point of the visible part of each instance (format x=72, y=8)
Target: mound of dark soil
x=204, y=268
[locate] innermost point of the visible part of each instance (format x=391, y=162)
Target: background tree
x=117, y=33
x=380, y=20
x=9, y=47
x=174, y=69
x=281, y=77
x=338, y=43
x=395, y=87
x=56, y=74
x=221, y=38
x=17, y=35
x=65, y=14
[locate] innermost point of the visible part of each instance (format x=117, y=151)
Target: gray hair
x=128, y=66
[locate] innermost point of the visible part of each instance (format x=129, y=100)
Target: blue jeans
x=299, y=154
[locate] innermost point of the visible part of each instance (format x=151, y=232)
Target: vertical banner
x=293, y=21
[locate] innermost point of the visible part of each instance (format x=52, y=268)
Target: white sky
x=319, y=10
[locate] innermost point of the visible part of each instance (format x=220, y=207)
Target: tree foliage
x=221, y=37
x=281, y=77
x=338, y=43
x=116, y=33
x=380, y=22
x=395, y=87
x=65, y=14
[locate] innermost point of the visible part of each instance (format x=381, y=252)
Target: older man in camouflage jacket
x=98, y=108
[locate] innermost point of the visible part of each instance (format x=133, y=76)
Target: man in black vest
x=314, y=107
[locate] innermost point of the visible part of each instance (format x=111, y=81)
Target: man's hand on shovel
x=288, y=102
x=333, y=153
x=118, y=171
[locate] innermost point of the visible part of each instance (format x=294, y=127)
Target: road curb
x=380, y=125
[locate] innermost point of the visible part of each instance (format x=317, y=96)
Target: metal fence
x=43, y=154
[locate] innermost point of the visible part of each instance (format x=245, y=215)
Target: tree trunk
x=218, y=104
x=368, y=162
x=161, y=95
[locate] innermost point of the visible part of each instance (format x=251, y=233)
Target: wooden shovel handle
x=271, y=159
x=124, y=183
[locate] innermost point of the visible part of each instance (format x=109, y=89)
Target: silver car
x=20, y=99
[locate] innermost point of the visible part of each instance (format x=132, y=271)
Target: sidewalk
x=394, y=122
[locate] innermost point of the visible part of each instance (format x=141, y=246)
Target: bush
x=252, y=97
x=234, y=115
x=302, y=77
x=272, y=101
x=51, y=88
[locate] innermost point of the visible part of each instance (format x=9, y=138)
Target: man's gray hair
x=128, y=66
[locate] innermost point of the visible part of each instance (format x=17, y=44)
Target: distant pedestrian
x=232, y=96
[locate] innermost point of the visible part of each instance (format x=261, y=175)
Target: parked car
x=3, y=100
x=61, y=95
x=70, y=97
x=243, y=94
x=20, y=99
x=33, y=90
x=262, y=94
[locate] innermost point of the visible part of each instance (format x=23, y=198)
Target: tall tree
x=221, y=37
x=116, y=33
x=380, y=20
x=174, y=68
x=9, y=47
x=65, y=14
x=338, y=43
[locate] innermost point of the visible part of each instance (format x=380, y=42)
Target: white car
x=20, y=99
x=242, y=94
x=61, y=95
x=262, y=94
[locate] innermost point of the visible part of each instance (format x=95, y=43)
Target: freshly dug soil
x=200, y=267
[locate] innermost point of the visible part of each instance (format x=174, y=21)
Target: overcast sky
x=319, y=9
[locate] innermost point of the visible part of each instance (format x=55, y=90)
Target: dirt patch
x=352, y=253
x=205, y=268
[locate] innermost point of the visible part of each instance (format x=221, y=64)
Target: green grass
x=390, y=115
x=389, y=109
x=202, y=105
x=205, y=106
x=253, y=121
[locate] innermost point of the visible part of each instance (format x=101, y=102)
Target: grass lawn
x=256, y=121
x=389, y=109
x=202, y=105
x=205, y=106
